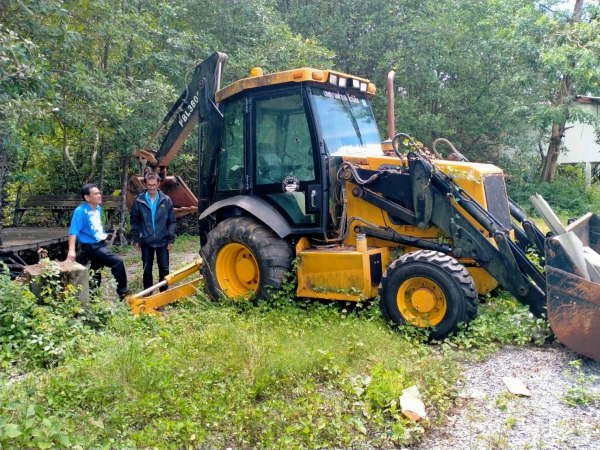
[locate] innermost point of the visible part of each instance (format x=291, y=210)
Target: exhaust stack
x=390, y=106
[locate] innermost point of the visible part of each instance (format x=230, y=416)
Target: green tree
x=86, y=82
x=569, y=58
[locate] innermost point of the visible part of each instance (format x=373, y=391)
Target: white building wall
x=580, y=140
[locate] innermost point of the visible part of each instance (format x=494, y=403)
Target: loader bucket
x=573, y=299
x=184, y=201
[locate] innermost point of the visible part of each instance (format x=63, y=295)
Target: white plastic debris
x=516, y=386
x=411, y=404
x=543, y=208
x=586, y=259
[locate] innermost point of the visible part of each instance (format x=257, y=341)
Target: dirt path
x=185, y=251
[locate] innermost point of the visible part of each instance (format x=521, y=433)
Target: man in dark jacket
x=153, y=225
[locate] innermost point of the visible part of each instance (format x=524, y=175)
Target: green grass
x=297, y=375
x=287, y=377
x=187, y=243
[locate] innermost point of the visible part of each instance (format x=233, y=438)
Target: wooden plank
x=32, y=238
x=65, y=204
x=77, y=198
x=51, y=204
x=55, y=197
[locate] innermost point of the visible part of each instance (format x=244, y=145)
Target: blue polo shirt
x=86, y=224
x=152, y=205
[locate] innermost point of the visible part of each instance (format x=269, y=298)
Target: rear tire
x=428, y=289
x=243, y=256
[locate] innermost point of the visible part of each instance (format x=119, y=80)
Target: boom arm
x=431, y=193
x=196, y=105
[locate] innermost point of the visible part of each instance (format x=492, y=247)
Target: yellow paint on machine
x=468, y=175
x=340, y=273
x=472, y=181
x=289, y=76
x=484, y=282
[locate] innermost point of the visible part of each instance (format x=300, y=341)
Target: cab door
x=286, y=163
x=232, y=167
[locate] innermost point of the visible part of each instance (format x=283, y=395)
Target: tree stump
x=67, y=273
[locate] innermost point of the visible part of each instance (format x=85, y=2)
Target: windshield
x=347, y=123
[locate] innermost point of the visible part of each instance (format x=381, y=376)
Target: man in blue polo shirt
x=86, y=227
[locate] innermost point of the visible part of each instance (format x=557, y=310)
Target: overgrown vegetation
x=284, y=374
x=568, y=194
x=41, y=333
x=500, y=320
x=582, y=392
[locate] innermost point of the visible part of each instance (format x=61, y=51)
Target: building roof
x=587, y=99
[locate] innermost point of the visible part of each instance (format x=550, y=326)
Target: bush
x=28, y=427
x=500, y=320
x=568, y=194
x=43, y=332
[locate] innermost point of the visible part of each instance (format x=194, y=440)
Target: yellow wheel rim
x=237, y=270
x=421, y=302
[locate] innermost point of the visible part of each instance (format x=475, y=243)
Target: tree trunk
x=123, y=210
x=105, y=57
x=551, y=160
x=93, y=158
x=70, y=273
x=19, y=190
x=64, y=173
x=2, y=176
x=66, y=152
x=102, y=166
x=122, y=238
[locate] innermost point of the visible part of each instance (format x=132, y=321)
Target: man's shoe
x=125, y=295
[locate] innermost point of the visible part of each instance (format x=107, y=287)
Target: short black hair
x=85, y=189
x=152, y=176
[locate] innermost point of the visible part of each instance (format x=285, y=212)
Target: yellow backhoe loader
x=291, y=166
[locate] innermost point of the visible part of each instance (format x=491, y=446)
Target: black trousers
x=100, y=256
x=162, y=259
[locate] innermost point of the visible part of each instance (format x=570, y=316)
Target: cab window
x=231, y=157
x=283, y=143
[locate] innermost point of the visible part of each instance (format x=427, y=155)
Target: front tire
x=430, y=290
x=244, y=257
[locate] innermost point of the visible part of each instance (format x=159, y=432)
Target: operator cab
x=284, y=136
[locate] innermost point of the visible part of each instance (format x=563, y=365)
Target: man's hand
x=70, y=256
x=137, y=246
x=169, y=247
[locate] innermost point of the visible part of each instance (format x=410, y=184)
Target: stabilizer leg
x=147, y=305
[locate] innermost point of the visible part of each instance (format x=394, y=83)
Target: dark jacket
x=164, y=221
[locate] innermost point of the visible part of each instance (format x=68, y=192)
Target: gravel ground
x=488, y=417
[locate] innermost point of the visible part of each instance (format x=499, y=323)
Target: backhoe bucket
x=573, y=299
x=184, y=201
